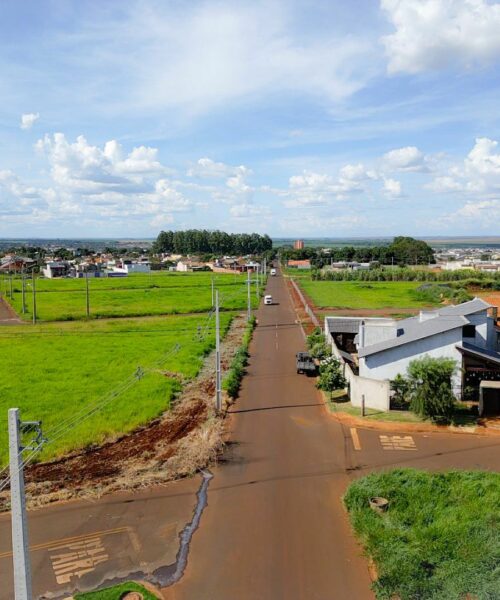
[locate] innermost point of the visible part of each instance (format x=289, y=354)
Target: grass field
x=53, y=371
x=372, y=295
x=440, y=537
x=158, y=293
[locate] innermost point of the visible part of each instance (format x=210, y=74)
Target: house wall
x=388, y=363
x=377, y=393
x=138, y=268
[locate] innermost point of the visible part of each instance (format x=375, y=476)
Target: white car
x=273, y=272
x=268, y=299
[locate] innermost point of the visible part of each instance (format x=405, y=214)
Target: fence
x=307, y=308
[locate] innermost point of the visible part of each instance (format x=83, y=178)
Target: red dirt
x=105, y=461
x=7, y=314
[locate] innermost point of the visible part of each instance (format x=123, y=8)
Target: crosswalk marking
x=397, y=442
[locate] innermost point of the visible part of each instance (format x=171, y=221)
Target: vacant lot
x=54, y=371
x=440, y=537
x=136, y=295
x=370, y=295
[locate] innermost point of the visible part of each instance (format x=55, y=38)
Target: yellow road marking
x=355, y=438
x=397, y=442
x=69, y=540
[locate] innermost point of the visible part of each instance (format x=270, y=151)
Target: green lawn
x=358, y=294
x=116, y=592
x=137, y=295
x=439, y=539
x=55, y=370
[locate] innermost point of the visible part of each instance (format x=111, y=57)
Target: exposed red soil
x=107, y=460
x=7, y=314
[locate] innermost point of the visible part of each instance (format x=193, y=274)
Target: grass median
x=117, y=592
x=440, y=537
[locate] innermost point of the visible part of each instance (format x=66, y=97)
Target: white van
x=268, y=299
x=273, y=272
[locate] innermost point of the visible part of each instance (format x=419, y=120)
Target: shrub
x=232, y=381
x=330, y=376
x=430, y=392
x=316, y=337
x=320, y=351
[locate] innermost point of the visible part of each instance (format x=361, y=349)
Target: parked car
x=268, y=299
x=305, y=363
x=273, y=272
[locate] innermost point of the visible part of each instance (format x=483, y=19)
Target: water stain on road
x=167, y=575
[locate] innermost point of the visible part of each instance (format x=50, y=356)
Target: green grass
x=358, y=294
x=341, y=404
x=137, y=295
x=439, y=539
x=53, y=371
x=116, y=592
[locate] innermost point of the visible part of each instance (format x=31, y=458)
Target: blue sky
x=325, y=118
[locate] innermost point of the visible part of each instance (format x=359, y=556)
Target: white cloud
x=392, y=188
x=28, y=120
x=208, y=168
x=444, y=183
x=409, y=158
x=435, y=34
x=478, y=174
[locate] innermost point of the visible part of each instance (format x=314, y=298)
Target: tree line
x=203, y=241
x=402, y=251
x=466, y=276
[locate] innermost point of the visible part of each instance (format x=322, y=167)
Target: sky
x=294, y=118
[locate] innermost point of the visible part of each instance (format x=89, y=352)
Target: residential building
x=299, y=264
x=55, y=269
x=380, y=349
x=298, y=244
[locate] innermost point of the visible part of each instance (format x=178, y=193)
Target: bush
x=400, y=387
x=330, y=376
x=430, y=393
x=320, y=351
x=232, y=381
x=316, y=337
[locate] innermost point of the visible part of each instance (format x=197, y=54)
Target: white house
x=382, y=348
x=55, y=269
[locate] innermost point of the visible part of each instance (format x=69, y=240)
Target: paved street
x=274, y=526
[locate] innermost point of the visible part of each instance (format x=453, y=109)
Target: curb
x=402, y=427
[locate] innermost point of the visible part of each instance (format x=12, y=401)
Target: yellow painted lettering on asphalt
x=397, y=442
x=79, y=559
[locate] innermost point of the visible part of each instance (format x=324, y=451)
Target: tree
x=431, y=394
x=330, y=376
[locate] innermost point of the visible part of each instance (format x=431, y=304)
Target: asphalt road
x=273, y=526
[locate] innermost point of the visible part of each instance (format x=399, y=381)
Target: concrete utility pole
x=257, y=287
x=34, y=297
x=218, y=383
x=213, y=297
x=10, y=282
x=20, y=546
x=23, y=293
x=87, y=293
x=249, y=299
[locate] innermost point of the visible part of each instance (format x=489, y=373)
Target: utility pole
x=87, y=293
x=20, y=545
x=218, y=399
x=257, y=286
x=10, y=282
x=249, y=299
x=34, y=297
x=213, y=297
x=23, y=293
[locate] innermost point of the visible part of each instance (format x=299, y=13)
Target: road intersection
x=272, y=526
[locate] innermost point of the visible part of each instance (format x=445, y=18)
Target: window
x=469, y=331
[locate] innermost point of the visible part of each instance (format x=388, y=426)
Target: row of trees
x=468, y=277
x=196, y=241
x=402, y=251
